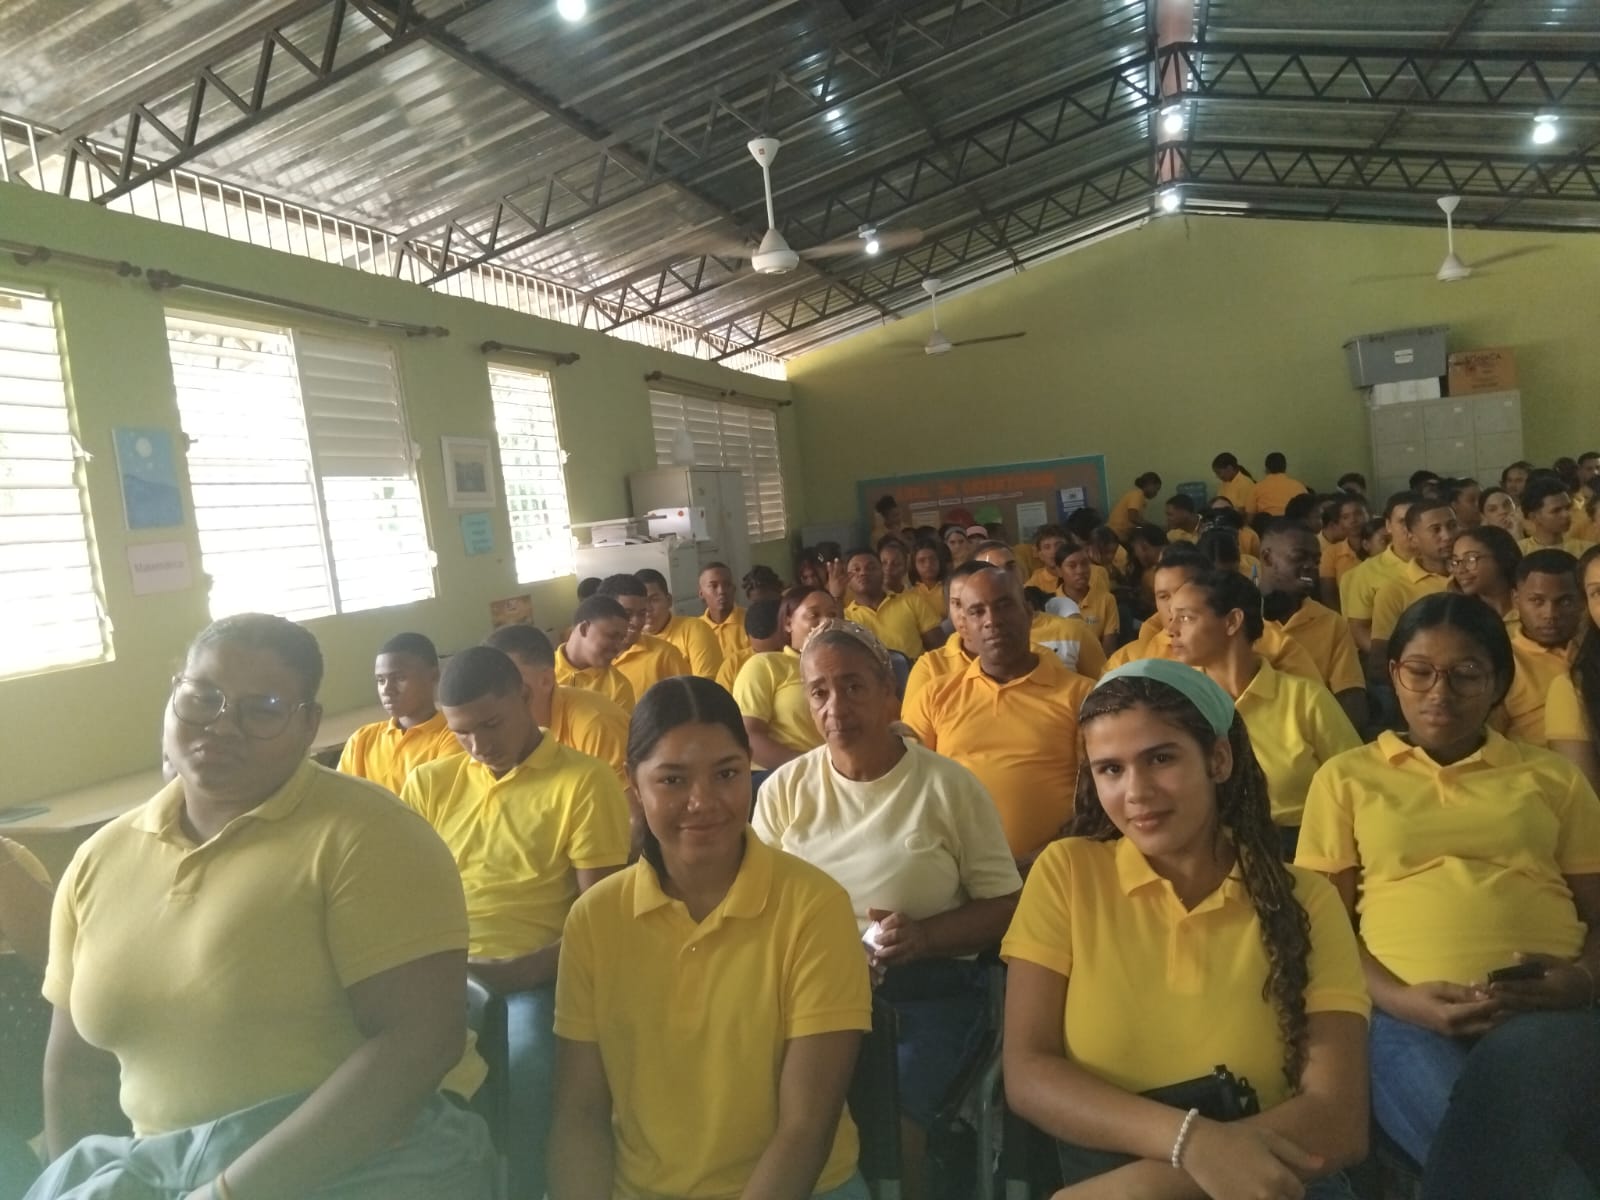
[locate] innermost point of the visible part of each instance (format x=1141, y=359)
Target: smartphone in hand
x=1517, y=973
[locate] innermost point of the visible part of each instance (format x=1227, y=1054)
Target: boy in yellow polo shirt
x=1010, y=717
x=1128, y=511
x=532, y=825
x=1548, y=507
x=1290, y=558
x=1277, y=488
x=407, y=672
x=1237, y=486
x=896, y=621
x=645, y=660
x=588, y=657
x=1431, y=531
x=1550, y=608
x=763, y=633
x=723, y=616
x=583, y=720
x=1183, y=518
x=1359, y=587
x=691, y=635
x=1341, y=541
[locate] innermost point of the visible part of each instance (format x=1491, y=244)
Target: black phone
x=1517, y=972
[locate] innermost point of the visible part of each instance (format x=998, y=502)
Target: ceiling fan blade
x=717, y=245
x=1508, y=255
x=999, y=337
x=1395, y=278
x=889, y=241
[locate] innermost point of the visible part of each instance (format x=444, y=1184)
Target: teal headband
x=1215, y=705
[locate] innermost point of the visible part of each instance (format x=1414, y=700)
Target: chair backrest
x=24, y=1028
x=901, y=666
x=875, y=1095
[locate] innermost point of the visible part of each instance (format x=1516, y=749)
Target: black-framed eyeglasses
x=1465, y=679
x=195, y=702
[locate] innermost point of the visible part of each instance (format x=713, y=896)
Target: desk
x=84, y=808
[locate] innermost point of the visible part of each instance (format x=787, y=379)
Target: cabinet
x=718, y=491
x=678, y=562
x=1474, y=436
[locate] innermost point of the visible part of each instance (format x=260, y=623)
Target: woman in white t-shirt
x=916, y=841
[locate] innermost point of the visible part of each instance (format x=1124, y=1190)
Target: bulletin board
x=1021, y=496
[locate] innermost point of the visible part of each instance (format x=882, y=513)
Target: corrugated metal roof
x=598, y=154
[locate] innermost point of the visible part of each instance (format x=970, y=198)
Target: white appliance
x=687, y=523
x=718, y=492
x=678, y=560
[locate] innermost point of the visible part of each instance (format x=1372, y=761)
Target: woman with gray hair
x=916, y=841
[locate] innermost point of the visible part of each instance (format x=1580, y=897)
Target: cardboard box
x=1475, y=371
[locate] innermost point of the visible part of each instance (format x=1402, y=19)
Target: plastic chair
x=976, y=1098
x=486, y=1018
x=875, y=1103
x=901, y=666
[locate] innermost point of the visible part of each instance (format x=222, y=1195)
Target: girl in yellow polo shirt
x=768, y=688
x=930, y=567
x=1483, y=563
x=1167, y=937
x=1501, y=510
x=712, y=996
x=1459, y=855
x=1295, y=723
x=1572, y=707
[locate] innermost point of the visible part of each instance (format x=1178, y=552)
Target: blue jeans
x=854, y=1188
x=1514, y=1113
x=530, y=1088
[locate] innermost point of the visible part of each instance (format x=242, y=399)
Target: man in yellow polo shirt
x=1290, y=558
x=1069, y=638
x=1359, y=587
x=588, y=657
x=1550, y=605
x=1341, y=535
x=762, y=630
x=1277, y=487
x=1430, y=531
x=691, y=635
x=936, y=665
x=531, y=824
x=895, y=620
x=1010, y=717
x=723, y=616
x=406, y=672
x=1547, y=505
x=1183, y=518
x=645, y=660
x=583, y=720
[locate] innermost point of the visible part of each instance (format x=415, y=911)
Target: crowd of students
x=1283, y=822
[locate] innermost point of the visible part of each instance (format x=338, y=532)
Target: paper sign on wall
x=159, y=567
x=513, y=610
x=477, y=533
x=150, y=495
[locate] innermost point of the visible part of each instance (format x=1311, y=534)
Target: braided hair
x=1244, y=815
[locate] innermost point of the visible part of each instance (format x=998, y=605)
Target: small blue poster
x=477, y=534
x=150, y=494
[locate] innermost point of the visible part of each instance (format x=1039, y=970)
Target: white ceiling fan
x=774, y=256
x=938, y=343
x=1453, y=269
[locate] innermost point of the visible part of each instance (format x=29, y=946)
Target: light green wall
x=76, y=726
x=1165, y=345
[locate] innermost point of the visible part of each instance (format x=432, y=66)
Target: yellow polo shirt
x=217, y=973
x=648, y=661
x=1573, y=545
x=929, y=609
x=1186, y=535
x=1338, y=559
x=1274, y=492
x=1019, y=738
x=769, y=688
x=1098, y=611
x=1274, y=645
x=1099, y=915
x=1359, y=587
x=1399, y=593
x=692, y=1019
x=608, y=681
x=1537, y=670
x=386, y=754
x=1127, y=512
x=1249, y=542
x=1582, y=528
x=730, y=634
x=1564, y=716
x=30, y=866
x=732, y=664
x=519, y=840
x=1295, y=726
x=896, y=622
x=1241, y=493
x=1326, y=637
x=1046, y=580
x=935, y=666
x=932, y=597
x=1072, y=641
x=695, y=641
x=590, y=724
x=1461, y=866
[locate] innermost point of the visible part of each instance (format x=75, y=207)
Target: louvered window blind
x=728, y=435
x=532, y=466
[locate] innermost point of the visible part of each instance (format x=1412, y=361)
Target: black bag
x=1219, y=1096
x=24, y=1028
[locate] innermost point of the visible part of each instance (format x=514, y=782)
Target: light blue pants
x=530, y=1088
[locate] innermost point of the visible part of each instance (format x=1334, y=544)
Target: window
x=531, y=466
x=728, y=435
x=50, y=604
x=305, y=491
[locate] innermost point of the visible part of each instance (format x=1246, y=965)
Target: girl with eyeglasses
x=1470, y=865
x=1483, y=563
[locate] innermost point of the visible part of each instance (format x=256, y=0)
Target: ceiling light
x=1172, y=121
x=872, y=245
x=1170, y=200
x=833, y=114
x=1544, y=130
x=869, y=235
x=572, y=10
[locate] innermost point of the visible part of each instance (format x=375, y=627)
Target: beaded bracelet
x=1178, y=1147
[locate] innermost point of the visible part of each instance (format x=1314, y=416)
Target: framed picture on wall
x=468, y=472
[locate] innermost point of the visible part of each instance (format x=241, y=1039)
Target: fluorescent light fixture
x=1172, y=120
x=572, y=10
x=1170, y=200
x=833, y=114
x=1544, y=129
